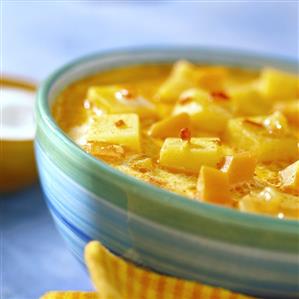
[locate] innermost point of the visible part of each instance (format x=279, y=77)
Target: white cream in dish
x=17, y=116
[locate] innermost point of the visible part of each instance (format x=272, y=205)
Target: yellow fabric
x=115, y=278
x=71, y=295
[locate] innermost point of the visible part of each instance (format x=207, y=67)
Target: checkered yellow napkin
x=115, y=278
x=71, y=295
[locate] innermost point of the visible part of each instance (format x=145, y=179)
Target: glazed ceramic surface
x=158, y=229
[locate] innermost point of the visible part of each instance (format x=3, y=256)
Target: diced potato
x=205, y=115
x=183, y=76
x=239, y=167
x=213, y=186
x=170, y=127
x=115, y=99
x=212, y=78
x=267, y=201
x=251, y=135
x=276, y=124
x=123, y=129
x=290, y=177
x=289, y=207
x=190, y=155
x=278, y=85
x=246, y=100
x=290, y=109
x=272, y=202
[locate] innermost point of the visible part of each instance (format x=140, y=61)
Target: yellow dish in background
x=17, y=162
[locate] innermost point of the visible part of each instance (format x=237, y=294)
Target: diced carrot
x=239, y=167
x=213, y=186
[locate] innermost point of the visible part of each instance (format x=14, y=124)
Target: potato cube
x=116, y=99
x=183, y=76
x=276, y=124
x=212, y=78
x=239, y=167
x=171, y=126
x=246, y=100
x=278, y=85
x=272, y=202
x=290, y=110
x=265, y=202
x=205, y=115
x=190, y=155
x=289, y=206
x=213, y=186
x=290, y=177
x=251, y=135
x=120, y=129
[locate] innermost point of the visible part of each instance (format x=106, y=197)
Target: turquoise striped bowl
x=152, y=227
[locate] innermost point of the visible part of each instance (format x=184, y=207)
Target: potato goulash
x=211, y=133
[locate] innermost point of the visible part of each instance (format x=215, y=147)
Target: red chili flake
x=253, y=123
x=127, y=94
x=185, y=134
x=221, y=163
x=220, y=95
x=120, y=123
x=143, y=170
x=184, y=100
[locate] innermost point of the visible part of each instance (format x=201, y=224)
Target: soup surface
x=221, y=135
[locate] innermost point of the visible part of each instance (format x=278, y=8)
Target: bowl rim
x=245, y=219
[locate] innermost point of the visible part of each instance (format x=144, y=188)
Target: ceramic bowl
x=160, y=230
